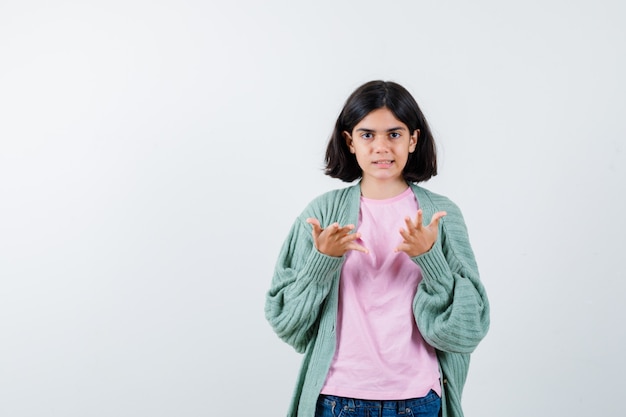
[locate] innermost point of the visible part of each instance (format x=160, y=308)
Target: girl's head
x=342, y=163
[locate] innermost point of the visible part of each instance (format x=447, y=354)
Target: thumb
x=436, y=217
x=316, y=225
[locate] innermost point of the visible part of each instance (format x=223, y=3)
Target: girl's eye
x=367, y=135
x=394, y=135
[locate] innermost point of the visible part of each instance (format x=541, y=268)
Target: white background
x=153, y=155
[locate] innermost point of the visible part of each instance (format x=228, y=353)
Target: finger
x=330, y=232
x=313, y=221
x=333, y=228
x=350, y=242
x=317, y=230
x=406, y=235
x=409, y=223
x=344, y=230
x=436, y=217
x=338, y=232
x=351, y=237
x=419, y=219
x=402, y=247
x=347, y=228
x=355, y=246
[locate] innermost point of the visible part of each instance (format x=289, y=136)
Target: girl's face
x=381, y=144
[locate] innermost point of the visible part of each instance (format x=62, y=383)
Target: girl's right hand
x=335, y=240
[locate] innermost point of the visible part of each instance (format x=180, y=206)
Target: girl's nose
x=380, y=144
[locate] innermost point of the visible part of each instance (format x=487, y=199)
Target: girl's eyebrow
x=364, y=129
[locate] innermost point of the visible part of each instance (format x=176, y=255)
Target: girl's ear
x=413, y=141
x=348, y=139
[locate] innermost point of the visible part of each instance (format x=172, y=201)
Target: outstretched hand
x=335, y=240
x=417, y=238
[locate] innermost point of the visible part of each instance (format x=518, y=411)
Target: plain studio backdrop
x=154, y=154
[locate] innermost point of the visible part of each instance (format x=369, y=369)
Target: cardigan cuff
x=433, y=263
x=320, y=266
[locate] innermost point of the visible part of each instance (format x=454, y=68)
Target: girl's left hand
x=417, y=238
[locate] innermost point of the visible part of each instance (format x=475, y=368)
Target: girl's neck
x=382, y=190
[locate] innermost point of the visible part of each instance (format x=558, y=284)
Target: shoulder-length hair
x=342, y=164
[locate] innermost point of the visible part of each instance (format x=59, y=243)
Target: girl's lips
x=383, y=164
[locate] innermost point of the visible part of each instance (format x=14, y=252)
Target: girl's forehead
x=381, y=118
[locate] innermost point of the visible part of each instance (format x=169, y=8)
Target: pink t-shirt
x=380, y=352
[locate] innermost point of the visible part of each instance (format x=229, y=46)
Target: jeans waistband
x=398, y=405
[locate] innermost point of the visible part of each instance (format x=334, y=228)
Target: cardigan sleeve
x=451, y=306
x=302, y=279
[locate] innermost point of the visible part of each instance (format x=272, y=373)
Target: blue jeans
x=331, y=406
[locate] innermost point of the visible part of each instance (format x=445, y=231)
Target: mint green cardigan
x=450, y=307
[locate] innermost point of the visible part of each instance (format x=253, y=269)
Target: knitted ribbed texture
x=451, y=307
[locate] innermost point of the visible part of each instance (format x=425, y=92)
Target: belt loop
x=351, y=404
x=401, y=407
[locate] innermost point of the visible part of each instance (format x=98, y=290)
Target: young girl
x=376, y=283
